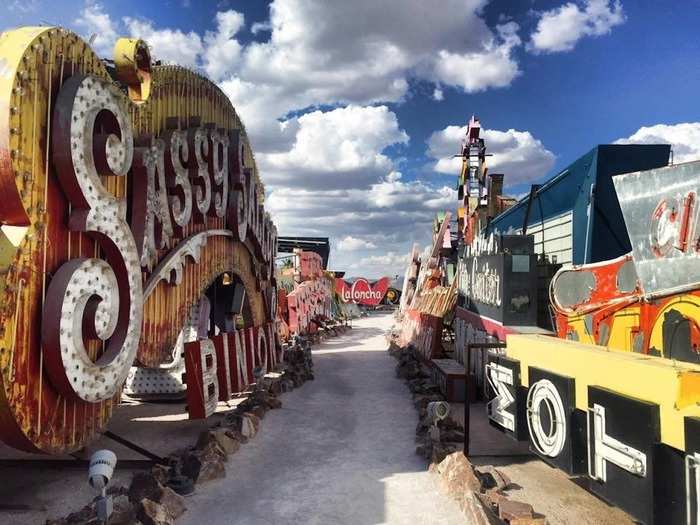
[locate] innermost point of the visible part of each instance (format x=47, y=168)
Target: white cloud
x=341, y=148
x=332, y=53
x=517, y=154
x=559, y=29
x=351, y=244
x=390, y=264
x=491, y=66
x=438, y=95
x=394, y=194
x=167, y=45
x=684, y=138
x=259, y=27
x=94, y=21
x=390, y=214
x=23, y=6
x=365, y=52
x=327, y=172
x=222, y=51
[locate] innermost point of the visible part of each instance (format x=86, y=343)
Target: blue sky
x=354, y=108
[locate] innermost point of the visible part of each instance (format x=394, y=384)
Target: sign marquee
x=361, y=291
x=124, y=199
x=626, y=421
x=223, y=365
x=663, y=225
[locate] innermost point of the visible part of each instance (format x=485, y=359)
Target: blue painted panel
x=602, y=236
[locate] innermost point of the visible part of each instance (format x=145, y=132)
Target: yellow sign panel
x=672, y=385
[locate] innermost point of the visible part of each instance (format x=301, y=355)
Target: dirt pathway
x=340, y=450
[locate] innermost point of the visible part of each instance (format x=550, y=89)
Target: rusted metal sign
x=123, y=199
x=309, y=300
x=423, y=332
x=223, y=365
x=662, y=216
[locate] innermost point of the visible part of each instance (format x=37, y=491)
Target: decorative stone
x=144, y=485
x=233, y=421
x=528, y=521
x=274, y=403
x=509, y=510
x=190, y=465
x=259, y=411
x=458, y=474
x=458, y=479
x=250, y=425
x=153, y=513
x=85, y=515
x=493, y=478
x=173, y=503
x=236, y=434
x=161, y=473
x=124, y=512
x=212, y=459
x=226, y=440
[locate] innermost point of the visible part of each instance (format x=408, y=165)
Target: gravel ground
x=341, y=449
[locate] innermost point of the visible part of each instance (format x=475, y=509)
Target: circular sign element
x=546, y=419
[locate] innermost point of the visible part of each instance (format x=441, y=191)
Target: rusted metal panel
x=662, y=215
x=450, y=377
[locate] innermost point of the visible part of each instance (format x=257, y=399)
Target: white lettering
x=500, y=377
x=210, y=384
x=544, y=397
x=607, y=448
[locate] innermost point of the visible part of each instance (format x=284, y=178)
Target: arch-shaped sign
x=124, y=195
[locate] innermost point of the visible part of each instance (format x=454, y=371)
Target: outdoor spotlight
x=102, y=465
x=226, y=279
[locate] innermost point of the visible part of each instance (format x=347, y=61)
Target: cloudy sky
x=355, y=108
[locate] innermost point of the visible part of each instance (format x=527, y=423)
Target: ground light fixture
x=102, y=464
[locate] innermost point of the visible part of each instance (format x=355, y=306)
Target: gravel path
x=340, y=450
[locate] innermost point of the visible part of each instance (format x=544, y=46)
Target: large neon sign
x=124, y=199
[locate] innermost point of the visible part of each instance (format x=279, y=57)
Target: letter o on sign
x=546, y=419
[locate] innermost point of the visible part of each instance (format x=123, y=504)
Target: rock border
x=480, y=492
x=151, y=499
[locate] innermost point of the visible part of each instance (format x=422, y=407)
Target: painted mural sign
x=309, y=300
x=361, y=291
x=124, y=198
